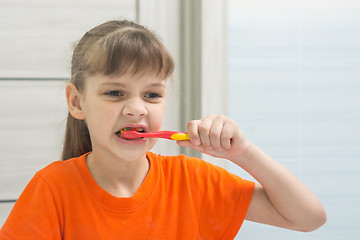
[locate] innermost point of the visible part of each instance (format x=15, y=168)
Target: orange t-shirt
x=180, y=198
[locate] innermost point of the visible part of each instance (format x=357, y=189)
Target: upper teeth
x=138, y=129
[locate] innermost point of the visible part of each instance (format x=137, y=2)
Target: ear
x=73, y=98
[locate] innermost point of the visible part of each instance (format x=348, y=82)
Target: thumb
x=188, y=144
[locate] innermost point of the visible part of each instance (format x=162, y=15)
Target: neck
x=119, y=178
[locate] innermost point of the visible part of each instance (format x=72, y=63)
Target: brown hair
x=113, y=48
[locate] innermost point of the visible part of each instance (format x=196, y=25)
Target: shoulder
x=56, y=168
x=60, y=171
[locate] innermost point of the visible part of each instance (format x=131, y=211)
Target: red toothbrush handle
x=159, y=134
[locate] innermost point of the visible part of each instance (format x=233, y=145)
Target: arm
x=280, y=199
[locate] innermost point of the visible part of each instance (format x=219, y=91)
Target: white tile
x=32, y=123
x=5, y=209
x=37, y=35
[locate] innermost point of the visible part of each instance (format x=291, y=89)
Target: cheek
x=157, y=116
x=100, y=114
x=110, y=113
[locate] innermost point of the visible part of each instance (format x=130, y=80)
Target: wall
x=294, y=88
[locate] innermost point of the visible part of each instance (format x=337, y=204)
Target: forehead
x=127, y=80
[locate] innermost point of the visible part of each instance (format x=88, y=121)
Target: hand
x=217, y=136
x=280, y=199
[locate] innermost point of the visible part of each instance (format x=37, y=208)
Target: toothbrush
x=172, y=135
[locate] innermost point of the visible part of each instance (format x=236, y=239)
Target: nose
x=135, y=107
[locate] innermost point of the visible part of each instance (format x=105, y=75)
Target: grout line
x=300, y=95
x=32, y=79
x=137, y=10
x=8, y=200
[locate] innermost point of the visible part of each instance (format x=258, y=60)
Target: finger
x=204, y=131
x=215, y=134
x=193, y=133
x=227, y=133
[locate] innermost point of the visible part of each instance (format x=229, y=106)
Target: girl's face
x=110, y=104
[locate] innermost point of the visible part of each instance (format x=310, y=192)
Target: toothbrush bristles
x=124, y=129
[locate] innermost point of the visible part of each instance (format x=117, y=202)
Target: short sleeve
x=221, y=199
x=34, y=215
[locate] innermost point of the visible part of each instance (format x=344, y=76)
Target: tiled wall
x=36, y=44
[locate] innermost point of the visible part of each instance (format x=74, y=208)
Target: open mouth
x=137, y=129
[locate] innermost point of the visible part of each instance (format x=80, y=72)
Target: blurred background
x=288, y=71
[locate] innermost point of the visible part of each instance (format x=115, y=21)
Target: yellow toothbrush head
x=180, y=136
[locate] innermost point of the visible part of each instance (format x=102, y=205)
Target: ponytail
x=77, y=138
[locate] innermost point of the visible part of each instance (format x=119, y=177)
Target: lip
x=136, y=141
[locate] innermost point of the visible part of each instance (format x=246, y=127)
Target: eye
x=114, y=94
x=152, y=95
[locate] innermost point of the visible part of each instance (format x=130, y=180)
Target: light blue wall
x=294, y=85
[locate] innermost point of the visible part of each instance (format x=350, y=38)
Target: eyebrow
x=112, y=84
x=157, y=85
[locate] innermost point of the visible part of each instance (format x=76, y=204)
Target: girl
x=112, y=187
